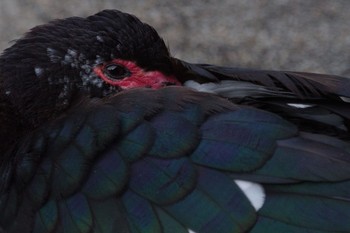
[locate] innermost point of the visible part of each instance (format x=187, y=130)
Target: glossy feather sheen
x=139, y=174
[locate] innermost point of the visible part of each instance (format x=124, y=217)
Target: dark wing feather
x=302, y=85
x=316, y=103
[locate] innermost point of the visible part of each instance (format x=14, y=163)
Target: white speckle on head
x=38, y=71
x=68, y=59
x=297, y=105
x=97, y=82
x=73, y=53
x=71, y=58
x=53, y=55
x=7, y=92
x=64, y=92
x=99, y=60
x=75, y=60
x=253, y=191
x=100, y=39
x=86, y=68
x=81, y=57
x=90, y=78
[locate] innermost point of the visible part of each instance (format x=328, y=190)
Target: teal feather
x=175, y=135
x=140, y=214
x=162, y=181
x=47, y=218
x=38, y=190
x=85, y=142
x=104, y=122
x=196, y=211
x=70, y=169
x=28, y=157
x=311, y=212
x=215, y=205
x=242, y=140
x=99, y=129
x=109, y=216
x=202, y=214
x=169, y=224
x=304, y=159
x=228, y=196
x=108, y=176
x=193, y=113
x=267, y=225
x=136, y=143
x=62, y=133
x=75, y=214
x=130, y=120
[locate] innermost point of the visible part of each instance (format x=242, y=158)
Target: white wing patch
x=100, y=39
x=190, y=231
x=53, y=55
x=253, y=191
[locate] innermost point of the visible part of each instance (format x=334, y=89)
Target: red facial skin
x=138, y=77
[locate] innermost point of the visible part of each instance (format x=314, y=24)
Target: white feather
x=234, y=89
x=253, y=191
x=296, y=105
x=38, y=71
x=345, y=99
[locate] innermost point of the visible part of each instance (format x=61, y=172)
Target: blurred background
x=303, y=35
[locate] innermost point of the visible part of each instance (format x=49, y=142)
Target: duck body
x=103, y=131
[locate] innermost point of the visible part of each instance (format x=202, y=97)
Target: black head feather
x=51, y=64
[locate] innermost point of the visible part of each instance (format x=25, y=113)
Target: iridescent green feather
x=215, y=205
x=175, y=136
x=47, y=218
x=162, y=181
x=169, y=224
x=136, y=143
x=75, y=214
x=107, y=177
x=267, y=225
x=140, y=214
x=241, y=140
x=308, y=211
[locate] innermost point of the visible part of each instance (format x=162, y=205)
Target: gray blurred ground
x=304, y=35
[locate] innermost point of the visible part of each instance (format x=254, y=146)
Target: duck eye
x=115, y=71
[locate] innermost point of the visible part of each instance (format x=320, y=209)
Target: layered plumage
x=263, y=151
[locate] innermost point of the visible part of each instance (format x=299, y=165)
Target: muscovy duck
x=102, y=131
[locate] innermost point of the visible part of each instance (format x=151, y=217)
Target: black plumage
x=103, y=131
